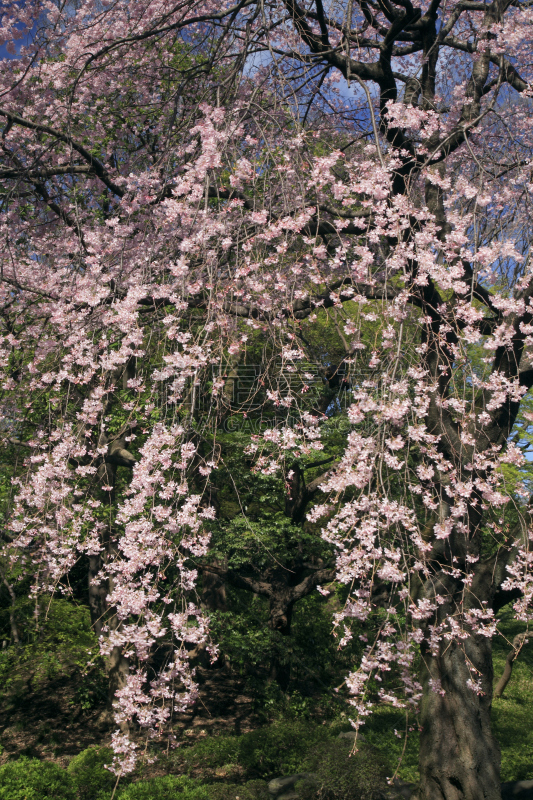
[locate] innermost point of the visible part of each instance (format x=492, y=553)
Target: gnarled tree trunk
x=459, y=757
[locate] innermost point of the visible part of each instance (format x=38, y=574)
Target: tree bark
x=12, y=616
x=97, y=594
x=213, y=595
x=116, y=666
x=280, y=618
x=118, y=669
x=459, y=757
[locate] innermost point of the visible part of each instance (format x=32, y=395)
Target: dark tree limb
x=97, y=167
x=518, y=643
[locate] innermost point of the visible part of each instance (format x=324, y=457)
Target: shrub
x=62, y=650
x=342, y=775
x=209, y=753
x=30, y=779
x=253, y=790
x=266, y=752
x=280, y=748
x=89, y=775
x=167, y=787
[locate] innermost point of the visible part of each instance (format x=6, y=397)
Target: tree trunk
x=12, y=616
x=97, y=595
x=459, y=758
x=118, y=669
x=213, y=596
x=116, y=665
x=280, y=619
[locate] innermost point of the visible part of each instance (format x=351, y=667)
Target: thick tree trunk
x=459, y=757
x=280, y=612
x=118, y=669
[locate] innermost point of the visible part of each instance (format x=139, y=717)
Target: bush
x=209, y=753
x=279, y=749
x=30, y=779
x=341, y=775
x=61, y=650
x=253, y=790
x=92, y=780
x=167, y=787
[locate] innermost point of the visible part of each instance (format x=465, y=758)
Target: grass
x=381, y=732
x=224, y=762
x=512, y=714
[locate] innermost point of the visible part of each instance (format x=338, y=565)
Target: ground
x=56, y=719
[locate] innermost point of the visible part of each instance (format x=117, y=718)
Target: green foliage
x=279, y=748
x=343, y=775
x=385, y=731
x=87, y=770
x=253, y=790
x=511, y=714
x=276, y=749
x=66, y=639
x=242, y=633
x=30, y=779
x=62, y=644
x=209, y=753
x=282, y=748
x=166, y=787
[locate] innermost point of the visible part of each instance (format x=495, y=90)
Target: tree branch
x=96, y=165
